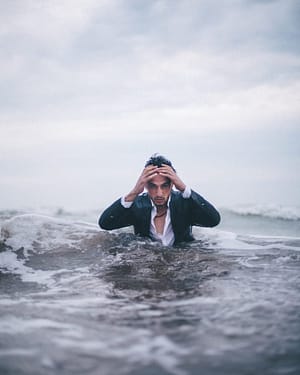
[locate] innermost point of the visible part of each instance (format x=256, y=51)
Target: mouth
x=159, y=200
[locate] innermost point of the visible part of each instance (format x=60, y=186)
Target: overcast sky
x=91, y=88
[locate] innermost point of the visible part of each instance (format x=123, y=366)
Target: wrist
x=130, y=197
x=125, y=204
x=186, y=193
x=181, y=187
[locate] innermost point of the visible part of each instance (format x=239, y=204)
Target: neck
x=161, y=210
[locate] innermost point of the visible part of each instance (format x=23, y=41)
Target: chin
x=160, y=203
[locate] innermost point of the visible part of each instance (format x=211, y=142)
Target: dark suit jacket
x=184, y=214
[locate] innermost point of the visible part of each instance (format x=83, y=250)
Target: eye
x=165, y=186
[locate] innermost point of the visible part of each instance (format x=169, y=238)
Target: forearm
x=115, y=216
x=130, y=197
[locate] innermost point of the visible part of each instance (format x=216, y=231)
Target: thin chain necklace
x=161, y=214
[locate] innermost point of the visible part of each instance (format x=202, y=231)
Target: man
x=161, y=213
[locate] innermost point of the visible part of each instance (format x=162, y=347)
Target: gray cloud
x=108, y=50
x=134, y=77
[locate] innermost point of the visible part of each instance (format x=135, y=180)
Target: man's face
x=159, y=189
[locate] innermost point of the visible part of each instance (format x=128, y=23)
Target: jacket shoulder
x=142, y=201
x=176, y=196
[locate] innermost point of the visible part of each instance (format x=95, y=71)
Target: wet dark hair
x=158, y=160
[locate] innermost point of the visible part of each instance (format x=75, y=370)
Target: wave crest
x=270, y=211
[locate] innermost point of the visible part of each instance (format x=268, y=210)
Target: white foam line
x=17, y=325
x=37, y=233
x=270, y=238
x=9, y=263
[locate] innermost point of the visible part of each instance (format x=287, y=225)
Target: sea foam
x=39, y=233
x=272, y=211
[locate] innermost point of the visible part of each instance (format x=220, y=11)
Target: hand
x=149, y=172
x=167, y=171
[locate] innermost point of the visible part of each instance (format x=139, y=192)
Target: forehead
x=159, y=180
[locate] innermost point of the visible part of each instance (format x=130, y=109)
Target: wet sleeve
x=116, y=216
x=125, y=204
x=187, y=192
x=202, y=212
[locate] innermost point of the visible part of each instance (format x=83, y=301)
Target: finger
x=148, y=171
x=150, y=168
x=167, y=167
x=150, y=175
x=167, y=175
x=165, y=171
x=148, y=178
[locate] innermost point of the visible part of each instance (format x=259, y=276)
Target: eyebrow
x=162, y=185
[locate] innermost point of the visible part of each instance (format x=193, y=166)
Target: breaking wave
x=75, y=299
x=270, y=211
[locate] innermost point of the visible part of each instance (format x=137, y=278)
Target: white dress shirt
x=167, y=238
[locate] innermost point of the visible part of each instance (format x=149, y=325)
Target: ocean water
x=78, y=300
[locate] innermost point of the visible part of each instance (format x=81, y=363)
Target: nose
x=159, y=191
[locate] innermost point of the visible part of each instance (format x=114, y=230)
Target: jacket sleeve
x=202, y=212
x=116, y=216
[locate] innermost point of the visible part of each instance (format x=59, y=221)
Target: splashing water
x=75, y=299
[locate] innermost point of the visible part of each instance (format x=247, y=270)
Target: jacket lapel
x=173, y=213
x=146, y=219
